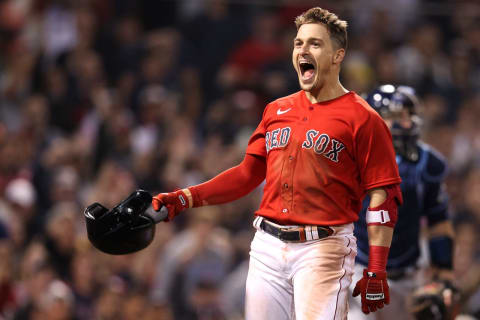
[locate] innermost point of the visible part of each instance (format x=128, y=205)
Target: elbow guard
x=386, y=214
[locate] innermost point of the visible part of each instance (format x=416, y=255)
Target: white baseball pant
x=300, y=281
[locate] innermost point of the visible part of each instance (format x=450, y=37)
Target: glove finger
x=365, y=309
x=156, y=204
x=380, y=305
x=356, y=291
x=171, y=212
x=373, y=308
x=386, y=300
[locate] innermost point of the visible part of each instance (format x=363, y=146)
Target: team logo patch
x=277, y=138
x=321, y=143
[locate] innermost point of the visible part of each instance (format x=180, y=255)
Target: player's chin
x=306, y=86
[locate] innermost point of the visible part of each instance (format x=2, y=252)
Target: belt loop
x=315, y=235
x=308, y=233
x=331, y=231
x=257, y=222
x=302, y=234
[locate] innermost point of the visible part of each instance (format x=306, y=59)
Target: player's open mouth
x=307, y=70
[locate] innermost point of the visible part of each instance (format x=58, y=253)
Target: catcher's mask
x=390, y=101
x=124, y=229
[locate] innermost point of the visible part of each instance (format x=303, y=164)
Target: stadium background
x=98, y=98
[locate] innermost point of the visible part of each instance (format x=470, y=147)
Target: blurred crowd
x=99, y=98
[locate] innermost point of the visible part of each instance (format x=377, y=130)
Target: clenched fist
x=373, y=290
x=175, y=202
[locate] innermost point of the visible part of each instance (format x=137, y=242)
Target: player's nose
x=304, y=49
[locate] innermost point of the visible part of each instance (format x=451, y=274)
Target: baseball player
x=321, y=150
x=422, y=170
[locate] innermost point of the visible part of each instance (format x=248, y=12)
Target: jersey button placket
x=306, y=115
x=287, y=183
x=305, y=118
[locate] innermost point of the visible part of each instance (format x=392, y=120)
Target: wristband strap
x=196, y=201
x=187, y=192
x=379, y=216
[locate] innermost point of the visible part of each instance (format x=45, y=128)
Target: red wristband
x=377, y=258
x=196, y=201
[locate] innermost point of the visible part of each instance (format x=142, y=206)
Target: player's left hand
x=373, y=288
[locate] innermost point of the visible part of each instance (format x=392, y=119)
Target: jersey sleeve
x=375, y=154
x=256, y=143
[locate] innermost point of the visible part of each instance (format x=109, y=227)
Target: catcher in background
x=320, y=150
x=423, y=171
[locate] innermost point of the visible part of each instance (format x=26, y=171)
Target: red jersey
x=321, y=158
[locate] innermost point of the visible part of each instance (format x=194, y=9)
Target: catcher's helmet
x=124, y=229
x=390, y=101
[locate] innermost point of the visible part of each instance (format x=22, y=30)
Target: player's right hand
x=373, y=290
x=175, y=202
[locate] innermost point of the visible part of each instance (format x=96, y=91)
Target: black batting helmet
x=124, y=229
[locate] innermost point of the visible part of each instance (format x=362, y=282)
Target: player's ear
x=338, y=56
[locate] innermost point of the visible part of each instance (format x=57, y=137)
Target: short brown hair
x=336, y=28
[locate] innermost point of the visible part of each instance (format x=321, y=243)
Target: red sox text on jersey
x=278, y=138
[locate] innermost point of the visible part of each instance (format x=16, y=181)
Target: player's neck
x=329, y=91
